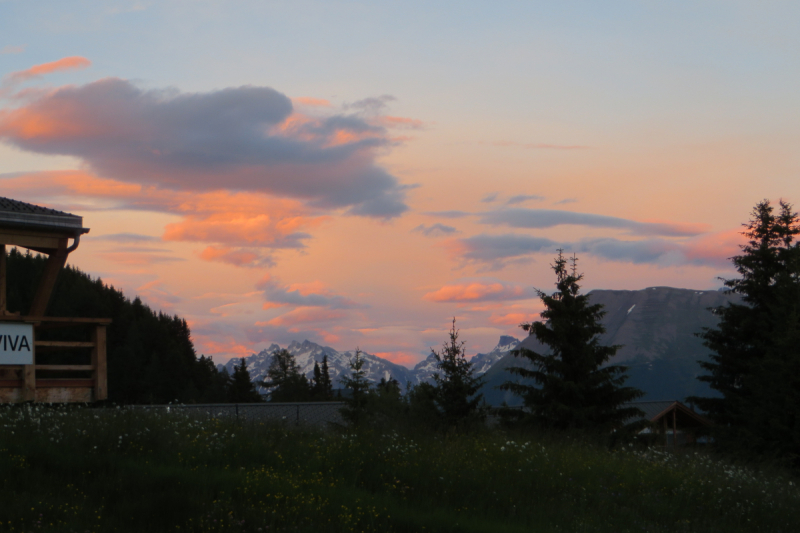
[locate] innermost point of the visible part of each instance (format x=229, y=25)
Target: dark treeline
x=151, y=358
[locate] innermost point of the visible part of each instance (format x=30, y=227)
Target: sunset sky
x=359, y=173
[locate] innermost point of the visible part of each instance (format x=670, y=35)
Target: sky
x=359, y=173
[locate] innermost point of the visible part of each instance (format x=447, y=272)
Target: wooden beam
x=30, y=239
x=29, y=383
x=99, y=376
x=55, y=262
x=57, y=320
x=64, y=344
x=65, y=368
x=3, y=305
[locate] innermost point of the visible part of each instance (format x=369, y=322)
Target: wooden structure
x=674, y=422
x=48, y=232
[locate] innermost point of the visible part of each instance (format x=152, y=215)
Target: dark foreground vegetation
x=106, y=470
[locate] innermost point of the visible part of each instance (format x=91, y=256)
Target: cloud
x=489, y=198
x=566, y=201
x=548, y=218
x=237, y=256
x=520, y=198
x=242, y=138
x=298, y=294
x=66, y=63
x=479, y=291
x=447, y=214
x=305, y=315
x=495, y=250
x=539, y=146
x=311, y=102
x=435, y=230
x=135, y=257
x=228, y=219
x=512, y=319
x=372, y=105
x=401, y=123
x=11, y=49
x=653, y=251
x=126, y=238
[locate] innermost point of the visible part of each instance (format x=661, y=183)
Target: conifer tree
x=285, y=383
x=755, y=364
x=456, y=390
x=356, y=404
x=241, y=389
x=573, y=389
x=325, y=377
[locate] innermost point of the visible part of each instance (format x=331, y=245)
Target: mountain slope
x=656, y=328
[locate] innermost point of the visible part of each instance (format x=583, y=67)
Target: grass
x=80, y=469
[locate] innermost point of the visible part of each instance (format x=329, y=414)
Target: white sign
x=16, y=344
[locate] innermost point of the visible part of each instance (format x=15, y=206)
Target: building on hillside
x=672, y=422
x=24, y=333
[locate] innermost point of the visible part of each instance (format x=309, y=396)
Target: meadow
x=115, y=469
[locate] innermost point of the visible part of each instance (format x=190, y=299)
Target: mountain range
x=656, y=328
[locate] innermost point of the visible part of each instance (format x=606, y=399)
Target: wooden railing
x=19, y=383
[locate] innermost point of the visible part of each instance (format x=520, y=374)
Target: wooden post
x=3, y=305
x=55, y=262
x=99, y=367
x=29, y=376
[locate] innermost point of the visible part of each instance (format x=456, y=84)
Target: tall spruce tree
x=356, y=406
x=573, y=390
x=755, y=364
x=285, y=383
x=241, y=389
x=326, y=386
x=456, y=390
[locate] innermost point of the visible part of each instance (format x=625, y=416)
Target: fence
x=297, y=413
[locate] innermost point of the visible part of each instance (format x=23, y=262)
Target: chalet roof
x=23, y=215
x=656, y=410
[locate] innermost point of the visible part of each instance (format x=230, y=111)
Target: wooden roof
x=655, y=411
x=21, y=215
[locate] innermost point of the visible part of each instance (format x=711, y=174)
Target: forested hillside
x=151, y=358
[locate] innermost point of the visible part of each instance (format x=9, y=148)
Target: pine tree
x=241, y=389
x=755, y=364
x=456, y=390
x=325, y=380
x=573, y=389
x=285, y=383
x=356, y=404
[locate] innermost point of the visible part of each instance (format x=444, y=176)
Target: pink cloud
x=242, y=138
x=66, y=63
x=478, y=291
x=305, y=315
x=716, y=248
x=311, y=102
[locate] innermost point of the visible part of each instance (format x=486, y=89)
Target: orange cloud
x=231, y=219
x=513, y=319
x=311, y=102
x=401, y=122
x=477, y=291
x=66, y=63
x=305, y=315
x=715, y=248
x=134, y=258
x=231, y=256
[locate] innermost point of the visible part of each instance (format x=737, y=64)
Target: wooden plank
x=63, y=382
x=64, y=395
x=63, y=344
x=31, y=240
x=11, y=383
x=99, y=363
x=65, y=368
x=61, y=321
x=29, y=383
x=55, y=262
